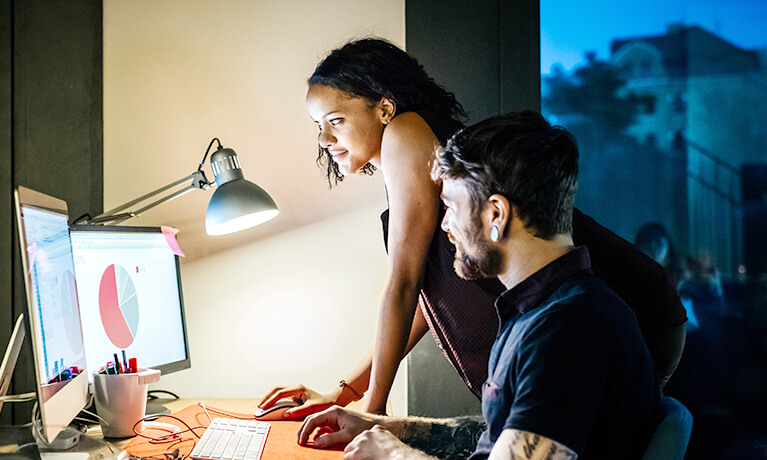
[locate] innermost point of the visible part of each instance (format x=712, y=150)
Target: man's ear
x=498, y=213
x=387, y=109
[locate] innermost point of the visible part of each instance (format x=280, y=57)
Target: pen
x=117, y=364
x=125, y=363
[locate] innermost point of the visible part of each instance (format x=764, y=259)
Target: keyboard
x=232, y=439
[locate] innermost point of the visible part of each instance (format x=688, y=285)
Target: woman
x=376, y=108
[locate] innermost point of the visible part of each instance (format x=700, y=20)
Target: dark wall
x=487, y=52
x=51, y=133
x=6, y=270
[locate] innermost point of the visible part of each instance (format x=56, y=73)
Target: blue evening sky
x=570, y=27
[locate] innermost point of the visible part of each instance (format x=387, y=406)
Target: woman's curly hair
x=373, y=68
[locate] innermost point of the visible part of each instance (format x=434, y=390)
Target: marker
x=133, y=366
x=111, y=368
x=118, y=366
x=125, y=363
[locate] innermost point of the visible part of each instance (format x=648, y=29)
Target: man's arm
x=524, y=445
x=443, y=438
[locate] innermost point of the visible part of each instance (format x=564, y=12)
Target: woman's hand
x=313, y=401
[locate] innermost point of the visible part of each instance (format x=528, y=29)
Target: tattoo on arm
x=453, y=438
x=524, y=445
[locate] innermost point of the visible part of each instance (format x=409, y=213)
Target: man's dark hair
x=372, y=68
x=522, y=157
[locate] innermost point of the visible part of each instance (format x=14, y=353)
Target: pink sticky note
x=170, y=237
x=32, y=250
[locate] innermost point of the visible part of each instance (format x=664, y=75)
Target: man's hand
x=379, y=443
x=335, y=426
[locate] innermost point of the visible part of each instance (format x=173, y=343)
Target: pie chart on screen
x=118, y=305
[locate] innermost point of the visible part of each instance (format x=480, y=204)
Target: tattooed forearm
x=523, y=445
x=530, y=442
x=453, y=438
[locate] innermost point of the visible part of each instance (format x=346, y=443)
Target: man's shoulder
x=583, y=302
x=585, y=291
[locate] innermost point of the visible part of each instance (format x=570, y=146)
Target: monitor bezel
x=167, y=368
x=58, y=411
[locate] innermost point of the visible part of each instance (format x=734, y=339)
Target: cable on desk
x=172, y=455
x=228, y=414
x=152, y=394
x=176, y=437
x=95, y=417
x=170, y=437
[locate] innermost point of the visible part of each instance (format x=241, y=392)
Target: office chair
x=669, y=441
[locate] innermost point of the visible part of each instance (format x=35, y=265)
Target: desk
x=280, y=444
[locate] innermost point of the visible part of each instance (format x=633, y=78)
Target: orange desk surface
x=280, y=443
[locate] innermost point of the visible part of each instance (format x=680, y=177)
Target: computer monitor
x=54, y=315
x=129, y=286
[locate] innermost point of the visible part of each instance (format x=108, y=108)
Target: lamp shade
x=237, y=203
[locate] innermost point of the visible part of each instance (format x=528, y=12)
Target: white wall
x=298, y=307
x=176, y=74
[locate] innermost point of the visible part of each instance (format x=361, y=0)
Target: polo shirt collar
x=537, y=287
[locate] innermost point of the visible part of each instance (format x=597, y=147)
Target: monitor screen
x=54, y=316
x=129, y=286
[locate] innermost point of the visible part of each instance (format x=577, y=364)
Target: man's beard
x=485, y=264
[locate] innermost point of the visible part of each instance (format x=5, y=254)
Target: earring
x=494, y=233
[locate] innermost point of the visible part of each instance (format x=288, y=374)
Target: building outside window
x=668, y=101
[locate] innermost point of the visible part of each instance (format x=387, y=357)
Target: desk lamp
x=236, y=204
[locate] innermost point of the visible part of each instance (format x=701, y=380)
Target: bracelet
x=343, y=384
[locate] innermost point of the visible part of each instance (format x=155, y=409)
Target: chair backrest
x=669, y=441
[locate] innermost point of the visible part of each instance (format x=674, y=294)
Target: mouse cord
x=228, y=414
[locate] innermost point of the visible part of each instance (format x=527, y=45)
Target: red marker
x=132, y=366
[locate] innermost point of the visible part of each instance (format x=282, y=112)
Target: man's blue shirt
x=569, y=363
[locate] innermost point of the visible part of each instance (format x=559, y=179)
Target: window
x=672, y=136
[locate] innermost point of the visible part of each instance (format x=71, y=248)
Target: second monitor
x=129, y=286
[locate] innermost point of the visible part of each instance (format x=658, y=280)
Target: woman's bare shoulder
x=409, y=123
x=409, y=133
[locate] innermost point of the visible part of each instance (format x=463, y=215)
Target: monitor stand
x=153, y=407
x=65, y=447
x=67, y=439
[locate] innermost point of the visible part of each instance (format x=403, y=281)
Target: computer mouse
x=275, y=411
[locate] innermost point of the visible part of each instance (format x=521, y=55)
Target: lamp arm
x=198, y=181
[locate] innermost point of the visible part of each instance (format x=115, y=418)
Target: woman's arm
x=406, y=151
x=358, y=379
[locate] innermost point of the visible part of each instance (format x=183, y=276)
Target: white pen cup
x=121, y=401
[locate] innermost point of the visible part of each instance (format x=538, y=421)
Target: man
x=569, y=374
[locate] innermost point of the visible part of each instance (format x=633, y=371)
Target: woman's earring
x=494, y=233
